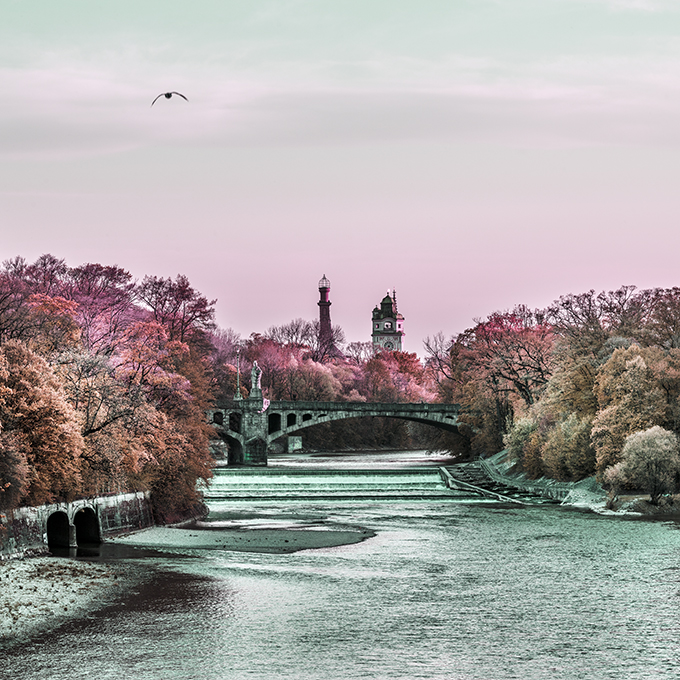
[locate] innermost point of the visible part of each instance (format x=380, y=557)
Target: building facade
x=387, y=325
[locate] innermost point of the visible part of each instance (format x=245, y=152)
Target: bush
x=650, y=460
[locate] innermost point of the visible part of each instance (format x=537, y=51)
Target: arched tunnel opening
x=57, y=530
x=235, y=453
x=87, y=527
x=274, y=422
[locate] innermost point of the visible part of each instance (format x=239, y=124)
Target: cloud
x=66, y=103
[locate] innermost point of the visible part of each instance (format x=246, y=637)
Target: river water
x=450, y=586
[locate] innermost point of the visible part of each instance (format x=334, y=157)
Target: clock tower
x=387, y=324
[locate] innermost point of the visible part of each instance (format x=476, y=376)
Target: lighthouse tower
x=325, y=332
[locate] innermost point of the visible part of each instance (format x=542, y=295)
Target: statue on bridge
x=255, y=377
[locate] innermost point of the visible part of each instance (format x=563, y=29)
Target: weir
x=236, y=484
x=428, y=482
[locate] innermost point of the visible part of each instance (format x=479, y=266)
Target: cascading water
x=306, y=484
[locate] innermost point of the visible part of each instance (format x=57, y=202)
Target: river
x=450, y=586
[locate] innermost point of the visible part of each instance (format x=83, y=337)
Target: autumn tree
x=15, y=470
x=15, y=321
x=186, y=315
x=663, y=322
x=650, y=460
x=53, y=326
x=104, y=305
x=630, y=400
x=43, y=426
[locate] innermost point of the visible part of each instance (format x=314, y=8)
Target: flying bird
x=167, y=95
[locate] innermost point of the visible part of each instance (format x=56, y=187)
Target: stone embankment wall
x=27, y=529
x=587, y=492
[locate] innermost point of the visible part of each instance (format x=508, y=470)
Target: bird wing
x=160, y=95
x=180, y=94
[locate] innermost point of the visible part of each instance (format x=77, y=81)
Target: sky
x=471, y=154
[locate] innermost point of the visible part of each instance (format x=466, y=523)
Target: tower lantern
x=325, y=332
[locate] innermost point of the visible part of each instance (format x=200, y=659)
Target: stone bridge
x=249, y=426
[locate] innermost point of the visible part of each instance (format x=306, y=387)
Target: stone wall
x=25, y=529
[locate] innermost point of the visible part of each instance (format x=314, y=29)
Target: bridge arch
x=449, y=424
x=234, y=442
x=250, y=425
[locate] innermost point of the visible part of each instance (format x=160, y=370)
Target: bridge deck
x=420, y=407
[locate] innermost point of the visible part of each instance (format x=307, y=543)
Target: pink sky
x=473, y=155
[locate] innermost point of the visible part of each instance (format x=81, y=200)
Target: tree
x=53, y=324
x=359, y=352
x=567, y=453
x=104, y=305
x=297, y=332
x=307, y=335
x=14, y=294
x=650, y=461
x=515, y=347
x=630, y=400
x=223, y=359
x=43, y=425
x=438, y=349
x=186, y=315
x=326, y=348
x=14, y=469
x=663, y=324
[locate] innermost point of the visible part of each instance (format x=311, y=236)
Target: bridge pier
x=247, y=430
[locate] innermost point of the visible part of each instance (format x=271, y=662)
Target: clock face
x=389, y=345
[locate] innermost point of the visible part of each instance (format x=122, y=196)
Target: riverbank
x=37, y=594
x=586, y=493
x=668, y=507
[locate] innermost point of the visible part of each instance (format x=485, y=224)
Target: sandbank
x=246, y=536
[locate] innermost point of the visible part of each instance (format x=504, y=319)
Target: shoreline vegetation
x=105, y=382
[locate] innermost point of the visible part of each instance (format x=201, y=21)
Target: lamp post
x=237, y=396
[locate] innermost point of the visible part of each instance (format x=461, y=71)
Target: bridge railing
x=408, y=407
